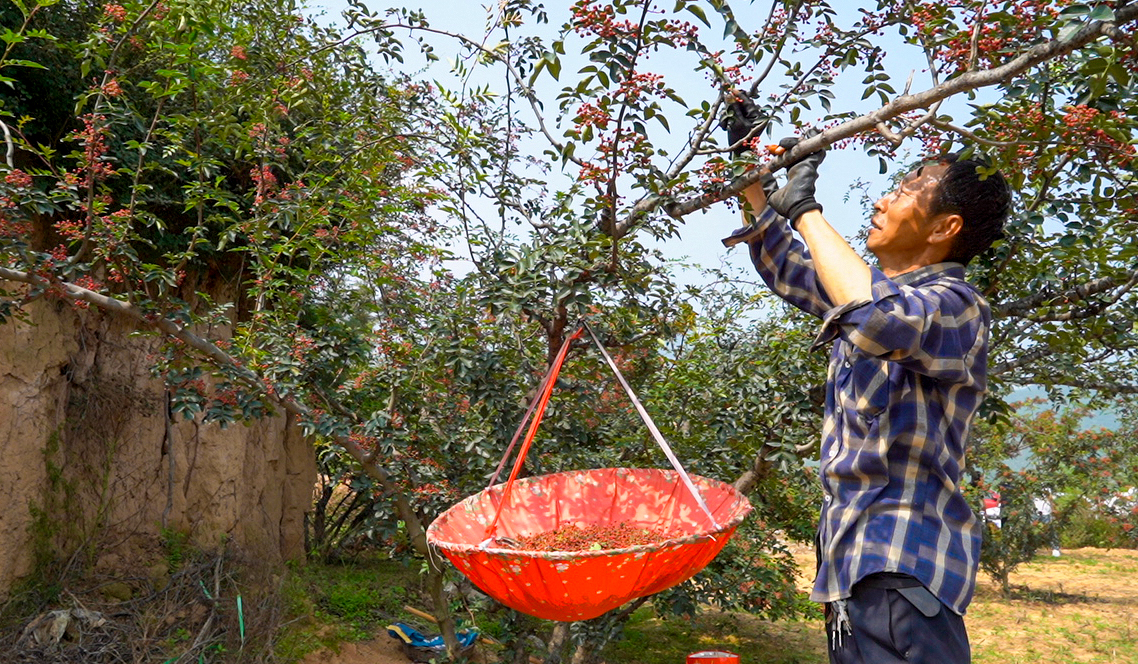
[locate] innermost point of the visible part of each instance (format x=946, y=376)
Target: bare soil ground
x=380, y=650
x=1080, y=607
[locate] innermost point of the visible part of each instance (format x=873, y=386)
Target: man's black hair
x=982, y=202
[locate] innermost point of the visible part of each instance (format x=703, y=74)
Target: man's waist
x=889, y=580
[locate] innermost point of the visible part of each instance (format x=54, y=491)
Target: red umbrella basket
x=490, y=536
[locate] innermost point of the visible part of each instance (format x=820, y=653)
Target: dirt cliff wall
x=91, y=460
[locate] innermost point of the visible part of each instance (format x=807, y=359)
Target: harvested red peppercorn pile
x=591, y=538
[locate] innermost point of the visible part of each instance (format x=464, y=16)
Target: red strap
x=522, y=425
x=542, y=401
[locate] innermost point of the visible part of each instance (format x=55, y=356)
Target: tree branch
x=948, y=126
x=1021, y=361
x=1100, y=386
x=778, y=48
x=905, y=103
x=1078, y=293
x=615, y=161
x=527, y=92
x=1089, y=311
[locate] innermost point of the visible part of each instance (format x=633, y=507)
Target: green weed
x=328, y=604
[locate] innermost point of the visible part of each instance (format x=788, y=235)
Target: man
x=898, y=545
x=1043, y=507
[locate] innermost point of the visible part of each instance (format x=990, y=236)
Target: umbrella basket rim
x=725, y=528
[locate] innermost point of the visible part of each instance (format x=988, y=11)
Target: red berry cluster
x=618, y=535
x=115, y=12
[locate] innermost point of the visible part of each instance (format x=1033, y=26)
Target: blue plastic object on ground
x=413, y=637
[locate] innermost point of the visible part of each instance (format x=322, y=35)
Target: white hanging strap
x=652, y=428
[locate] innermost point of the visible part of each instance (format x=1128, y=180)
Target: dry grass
x=1079, y=607
x=1076, y=608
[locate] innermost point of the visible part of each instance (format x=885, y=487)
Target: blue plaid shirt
x=906, y=375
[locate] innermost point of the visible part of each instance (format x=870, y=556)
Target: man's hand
x=743, y=120
x=796, y=197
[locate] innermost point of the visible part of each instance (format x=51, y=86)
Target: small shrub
x=1020, y=535
x=1088, y=525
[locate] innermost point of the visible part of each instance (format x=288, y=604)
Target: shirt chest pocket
x=865, y=386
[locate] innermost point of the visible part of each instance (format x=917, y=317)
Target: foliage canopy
x=247, y=182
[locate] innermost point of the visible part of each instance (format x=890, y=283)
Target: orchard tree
x=622, y=155
x=1059, y=78
x=1039, y=452
x=233, y=180
x=237, y=139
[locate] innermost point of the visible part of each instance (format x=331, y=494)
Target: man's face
x=900, y=226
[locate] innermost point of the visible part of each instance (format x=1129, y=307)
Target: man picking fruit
x=898, y=545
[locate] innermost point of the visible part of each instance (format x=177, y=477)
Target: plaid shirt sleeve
x=936, y=330
x=785, y=265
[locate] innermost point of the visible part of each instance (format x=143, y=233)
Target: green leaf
x=1119, y=74
x=1075, y=10
x=698, y=11
x=25, y=63
x=729, y=28
x=10, y=37
x=567, y=152
x=1101, y=13
x=542, y=63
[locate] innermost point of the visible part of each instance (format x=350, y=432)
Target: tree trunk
x=557, y=643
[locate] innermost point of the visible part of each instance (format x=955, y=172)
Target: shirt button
x=848, y=364
x=838, y=410
x=827, y=498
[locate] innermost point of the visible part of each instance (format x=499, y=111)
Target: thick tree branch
x=1091, y=310
x=905, y=103
x=1021, y=361
x=1076, y=294
x=759, y=470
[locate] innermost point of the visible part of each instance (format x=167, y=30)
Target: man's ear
x=945, y=229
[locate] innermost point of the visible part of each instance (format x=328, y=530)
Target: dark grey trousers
x=886, y=626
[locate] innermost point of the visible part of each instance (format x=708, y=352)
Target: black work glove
x=770, y=185
x=796, y=197
x=742, y=117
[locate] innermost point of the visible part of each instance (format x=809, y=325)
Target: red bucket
x=713, y=657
